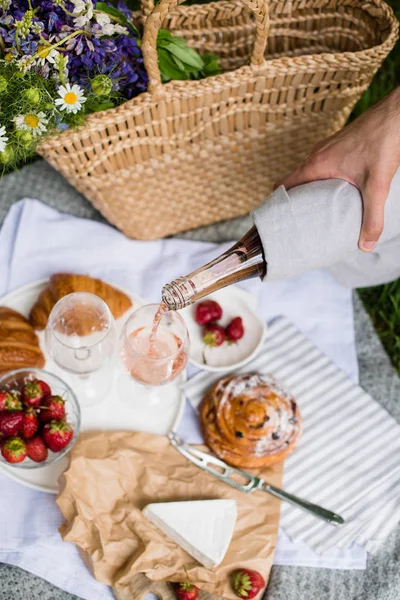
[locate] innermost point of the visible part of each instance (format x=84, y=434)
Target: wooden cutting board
x=141, y=585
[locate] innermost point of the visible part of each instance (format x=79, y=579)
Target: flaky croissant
x=62, y=284
x=19, y=344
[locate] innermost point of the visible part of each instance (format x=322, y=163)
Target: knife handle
x=314, y=509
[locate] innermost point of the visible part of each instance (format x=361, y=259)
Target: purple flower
x=88, y=54
x=54, y=22
x=123, y=8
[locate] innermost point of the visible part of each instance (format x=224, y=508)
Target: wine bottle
x=243, y=260
x=311, y=226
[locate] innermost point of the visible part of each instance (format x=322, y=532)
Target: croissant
x=249, y=421
x=14, y=331
x=62, y=284
x=19, y=344
x=9, y=314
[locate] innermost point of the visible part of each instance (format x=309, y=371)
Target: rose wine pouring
x=154, y=350
x=154, y=361
x=156, y=322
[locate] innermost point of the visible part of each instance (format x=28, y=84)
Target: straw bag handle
x=154, y=21
x=146, y=6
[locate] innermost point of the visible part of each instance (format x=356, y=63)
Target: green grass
x=383, y=302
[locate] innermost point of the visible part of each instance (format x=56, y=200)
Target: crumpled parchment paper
x=113, y=475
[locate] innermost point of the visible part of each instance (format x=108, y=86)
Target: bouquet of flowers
x=61, y=60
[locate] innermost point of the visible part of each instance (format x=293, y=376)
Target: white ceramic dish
x=234, y=302
x=113, y=413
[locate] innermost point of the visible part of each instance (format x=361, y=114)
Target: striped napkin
x=348, y=459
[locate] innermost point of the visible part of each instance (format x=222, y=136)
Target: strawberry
x=10, y=401
x=45, y=388
x=36, y=449
x=33, y=393
x=57, y=434
x=186, y=591
x=11, y=422
x=13, y=450
x=235, y=329
x=207, y=312
x=213, y=335
x=52, y=409
x=30, y=424
x=247, y=583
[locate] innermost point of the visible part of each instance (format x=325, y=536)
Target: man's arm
x=366, y=153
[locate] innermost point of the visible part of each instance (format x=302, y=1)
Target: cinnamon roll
x=249, y=421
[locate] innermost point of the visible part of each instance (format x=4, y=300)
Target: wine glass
x=153, y=347
x=81, y=337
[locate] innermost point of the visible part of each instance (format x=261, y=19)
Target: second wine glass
x=81, y=338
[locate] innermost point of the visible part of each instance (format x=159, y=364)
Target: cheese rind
x=203, y=528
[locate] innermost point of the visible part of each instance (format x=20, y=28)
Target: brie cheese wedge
x=203, y=528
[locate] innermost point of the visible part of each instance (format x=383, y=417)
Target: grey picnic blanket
x=381, y=580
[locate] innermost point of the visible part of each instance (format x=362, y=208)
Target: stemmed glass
x=81, y=337
x=151, y=355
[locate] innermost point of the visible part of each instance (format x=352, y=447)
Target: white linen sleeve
x=317, y=225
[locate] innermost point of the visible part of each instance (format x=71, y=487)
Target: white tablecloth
x=36, y=241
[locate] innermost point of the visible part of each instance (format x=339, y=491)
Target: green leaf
x=110, y=10
x=183, y=58
x=168, y=67
x=163, y=44
x=165, y=38
x=164, y=34
x=97, y=105
x=104, y=106
x=187, y=56
x=178, y=41
x=178, y=62
x=211, y=65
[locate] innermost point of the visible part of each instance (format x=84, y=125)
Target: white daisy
x=33, y=122
x=47, y=54
x=83, y=9
x=3, y=139
x=71, y=98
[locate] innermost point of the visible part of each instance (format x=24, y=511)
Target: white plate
x=234, y=302
x=112, y=414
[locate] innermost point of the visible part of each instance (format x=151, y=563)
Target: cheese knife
x=246, y=482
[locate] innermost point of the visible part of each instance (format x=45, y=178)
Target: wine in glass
x=153, y=347
x=81, y=338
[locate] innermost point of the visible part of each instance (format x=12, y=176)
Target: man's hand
x=366, y=153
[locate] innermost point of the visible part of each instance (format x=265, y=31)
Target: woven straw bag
x=189, y=153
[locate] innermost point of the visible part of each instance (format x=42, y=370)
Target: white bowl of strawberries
x=39, y=418
x=225, y=330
